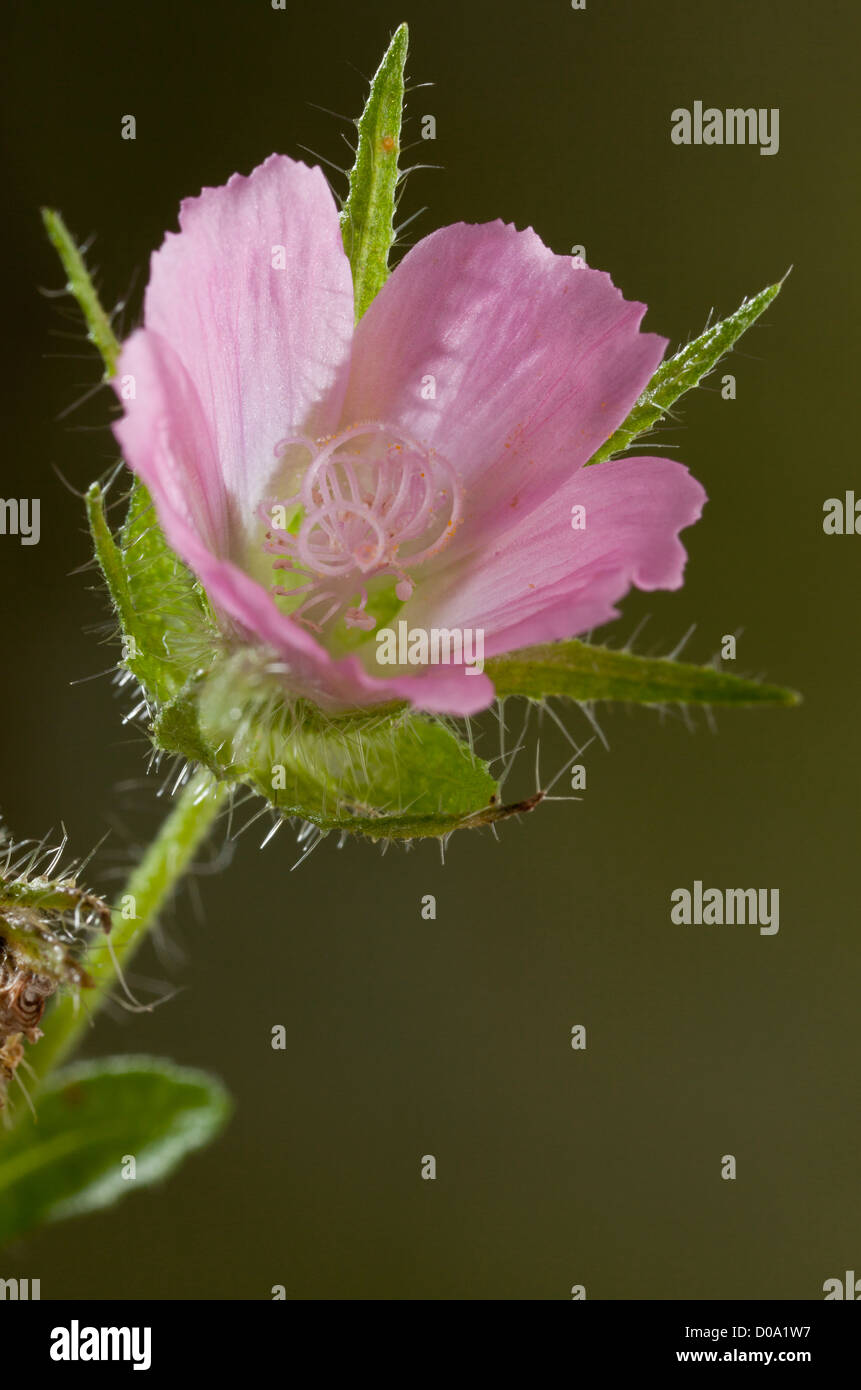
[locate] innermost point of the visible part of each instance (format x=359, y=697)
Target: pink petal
x=310, y=671
x=167, y=442
x=265, y=348
x=544, y=580
x=534, y=363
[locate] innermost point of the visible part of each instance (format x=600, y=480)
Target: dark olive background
x=452, y=1037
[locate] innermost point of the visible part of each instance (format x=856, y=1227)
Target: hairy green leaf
x=79, y=284
x=91, y=1118
x=684, y=371
x=162, y=612
x=368, y=214
x=583, y=672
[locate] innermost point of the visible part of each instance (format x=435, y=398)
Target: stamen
x=373, y=502
x=357, y=617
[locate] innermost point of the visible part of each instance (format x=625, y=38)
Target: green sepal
x=368, y=214
x=684, y=371
x=172, y=613
x=165, y=621
x=175, y=728
x=90, y=1119
x=383, y=773
x=582, y=672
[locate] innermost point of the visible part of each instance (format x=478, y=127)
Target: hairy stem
x=149, y=886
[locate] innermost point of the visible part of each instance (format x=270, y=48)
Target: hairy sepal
x=386, y=773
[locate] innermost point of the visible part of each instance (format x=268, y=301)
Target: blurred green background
x=451, y=1037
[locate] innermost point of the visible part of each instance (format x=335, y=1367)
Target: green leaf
x=89, y=1117
x=684, y=371
x=368, y=214
x=583, y=672
x=79, y=284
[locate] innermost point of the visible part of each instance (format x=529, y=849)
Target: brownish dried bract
x=46, y=922
x=492, y=812
x=23, y=995
x=22, y=999
x=11, y=1053
x=34, y=962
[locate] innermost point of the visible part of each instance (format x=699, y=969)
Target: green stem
x=150, y=885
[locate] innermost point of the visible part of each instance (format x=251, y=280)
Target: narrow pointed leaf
x=684, y=371
x=80, y=285
x=162, y=611
x=368, y=214
x=90, y=1118
x=582, y=672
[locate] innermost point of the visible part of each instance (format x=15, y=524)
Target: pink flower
x=324, y=481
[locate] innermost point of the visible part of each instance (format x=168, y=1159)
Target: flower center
x=364, y=503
